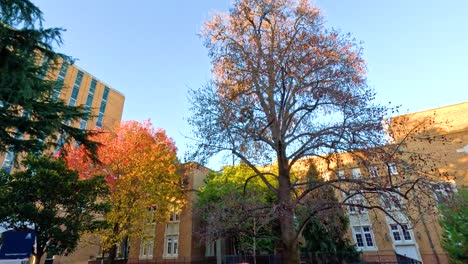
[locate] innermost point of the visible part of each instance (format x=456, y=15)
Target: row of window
x=171, y=237
x=171, y=247
x=89, y=102
x=373, y=172
x=75, y=91
x=364, y=237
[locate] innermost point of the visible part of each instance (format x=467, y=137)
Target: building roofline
x=432, y=109
x=97, y=79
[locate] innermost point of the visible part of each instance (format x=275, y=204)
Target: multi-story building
x=416, y=233
x=176, y=239
x=78, y=87
x=439, y=138
x=172, y=241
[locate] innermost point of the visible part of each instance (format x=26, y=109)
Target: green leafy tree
x=49, y=199
x=31, y=115
x=455, y=225
x=235, y=205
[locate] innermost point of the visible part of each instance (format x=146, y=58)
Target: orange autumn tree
x=140, y=165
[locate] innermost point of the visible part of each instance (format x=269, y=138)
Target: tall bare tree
x=285, y=88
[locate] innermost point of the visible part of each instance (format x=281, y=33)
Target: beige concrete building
x=438, y=139
x=78, y=87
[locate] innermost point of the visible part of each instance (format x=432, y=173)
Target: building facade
x=407, y=232
x=175, y=240
x=79, y=88
x=440, y=139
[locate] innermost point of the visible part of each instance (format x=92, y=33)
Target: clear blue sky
x=416, y=51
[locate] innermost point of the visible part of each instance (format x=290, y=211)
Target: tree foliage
x=31, y=117
x=286, y=90
x=49, y=199
x=455, y=225
x=141, y=168
x=325, y=234
x=235, y=207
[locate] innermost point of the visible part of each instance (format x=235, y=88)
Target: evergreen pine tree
x=31, y=115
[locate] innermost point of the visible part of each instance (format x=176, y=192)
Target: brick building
x=175, y=240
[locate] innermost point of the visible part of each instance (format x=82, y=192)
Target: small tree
x=31, y=116
x=49, y=199
x=325, y=234
x=141, y=168
x=455, y=227
x=237, y=206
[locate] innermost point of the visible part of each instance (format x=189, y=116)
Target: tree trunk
x=112, y=254
x=37, y=257
x=286, y=218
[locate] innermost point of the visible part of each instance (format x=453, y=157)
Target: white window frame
x=389, y=201
x=373, y=171
x=174, y=217
x=443, y=191
x=340, y=174
x=326, y=176
x=356, y=172
x=392, y=168
x=364, y=235
x=404, y=233
x=147, y=247
x=357, y=199
x=172, y=242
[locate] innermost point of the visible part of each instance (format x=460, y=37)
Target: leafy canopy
x=141, y=169
x=234, y=204
x=48, y=198
x=454, y=222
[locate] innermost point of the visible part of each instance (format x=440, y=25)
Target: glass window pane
x=369, y=241
x=359, y=241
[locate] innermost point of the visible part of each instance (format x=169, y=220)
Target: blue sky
x=416, y=51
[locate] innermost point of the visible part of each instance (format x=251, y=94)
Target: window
x=174, y=217
x=373, y=171
x=44, y=67
x=392, y=169
x=171, y=239
x=391, y=201
x=210, y=249
x=61, y=78
x=76, y=88
x=89, y=99
x=89, y=102
x=171, y=248
x=146, y=247
x=102, y=108
x=400, y=233
x=363, y=237
x=326, y=176
x=7, y=164
x=356, y=172
x=356, y=199
x=340, y=174
x=443, y=191
x=83, y=124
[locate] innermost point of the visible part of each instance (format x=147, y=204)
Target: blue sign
x=17, y=244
